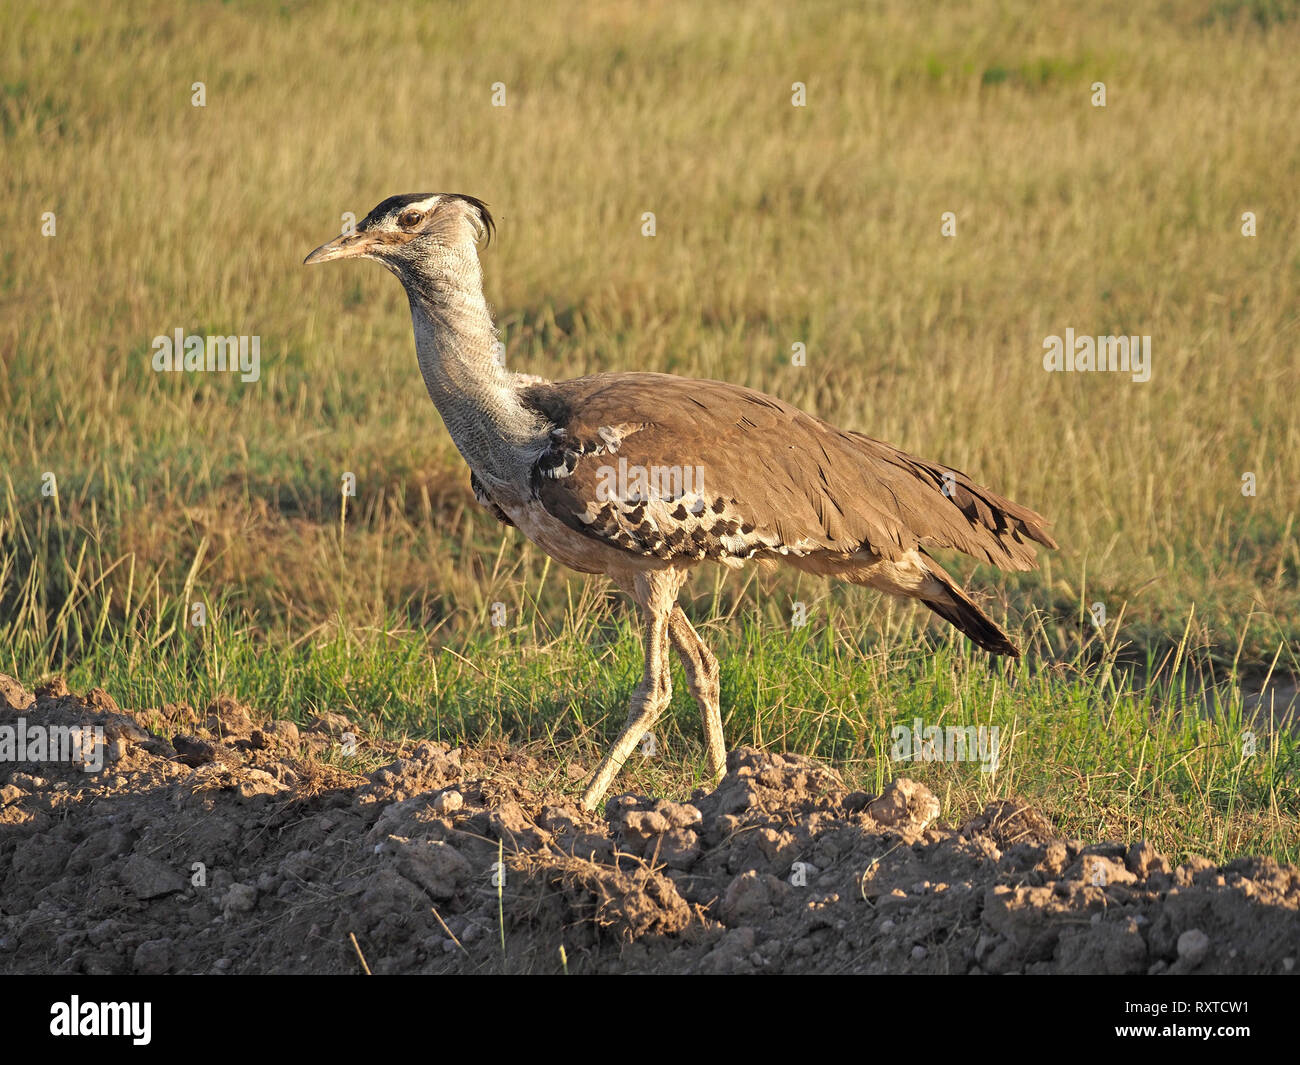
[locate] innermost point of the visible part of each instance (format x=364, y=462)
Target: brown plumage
x=792, y=480
x=642, y=476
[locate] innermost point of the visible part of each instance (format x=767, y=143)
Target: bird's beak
x=348, y=246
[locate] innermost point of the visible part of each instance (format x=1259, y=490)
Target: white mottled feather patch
x=691, y=526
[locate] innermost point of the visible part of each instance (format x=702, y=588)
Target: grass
x=776, y=225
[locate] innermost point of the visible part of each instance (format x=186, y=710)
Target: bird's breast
x=572, y=549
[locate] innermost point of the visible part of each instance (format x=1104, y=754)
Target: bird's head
x=419, y=236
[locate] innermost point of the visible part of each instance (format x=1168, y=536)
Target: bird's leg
x=702, y=678
x=656, y=597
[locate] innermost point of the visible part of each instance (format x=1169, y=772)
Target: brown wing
x=673, y=468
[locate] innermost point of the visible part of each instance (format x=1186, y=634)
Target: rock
x=99, y=848
x=1143, y=860
x=1193, y=945
x=748, y=899
x=856, y=801
x=226, y=717
x=640, y=826
x=679, y=814
x=1097, y=871
x=105, y=931
x=736, y=794
x=448, y=802
x=147, y=878
x=1112, y=947
x=13, y=696
x=438, y=753
x=335, y=724
x=239, y=898
x=178, y=714
x=435, y=866
x=635, y=903
x=153, y=957
x=679, y=849
x=284, y=732
x=1194, y=871
x=642, y=823
x=732, y=954
x=430, y=768
x=194, y=752
x=257, y=784
x=37, y=860
x=1009, y=822
x=1055, y=859
x=1027, y=922
x=389, y=897
x=904, y=805
x=54, y=689
x=510, y=824
x=101, y=701
x=778, y=847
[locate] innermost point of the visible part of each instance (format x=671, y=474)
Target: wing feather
x=774, y=480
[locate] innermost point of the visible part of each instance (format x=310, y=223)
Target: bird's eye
x=409, y=219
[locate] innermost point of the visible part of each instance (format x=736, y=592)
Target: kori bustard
x=642, y=476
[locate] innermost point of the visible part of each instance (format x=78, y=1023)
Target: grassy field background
x=776, y=225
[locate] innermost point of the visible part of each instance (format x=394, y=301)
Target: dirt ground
x=222, y=842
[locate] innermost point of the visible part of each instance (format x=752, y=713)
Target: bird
x=642, y=476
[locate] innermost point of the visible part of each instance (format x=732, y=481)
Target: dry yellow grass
x=776, y=225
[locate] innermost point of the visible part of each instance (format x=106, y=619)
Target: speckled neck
x=456, y=345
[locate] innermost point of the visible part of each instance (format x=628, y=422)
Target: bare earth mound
x=210, y=844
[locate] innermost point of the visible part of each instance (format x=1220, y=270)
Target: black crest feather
x=489, y=224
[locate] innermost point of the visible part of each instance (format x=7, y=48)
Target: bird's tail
x=945, y=597
x=916, y=575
